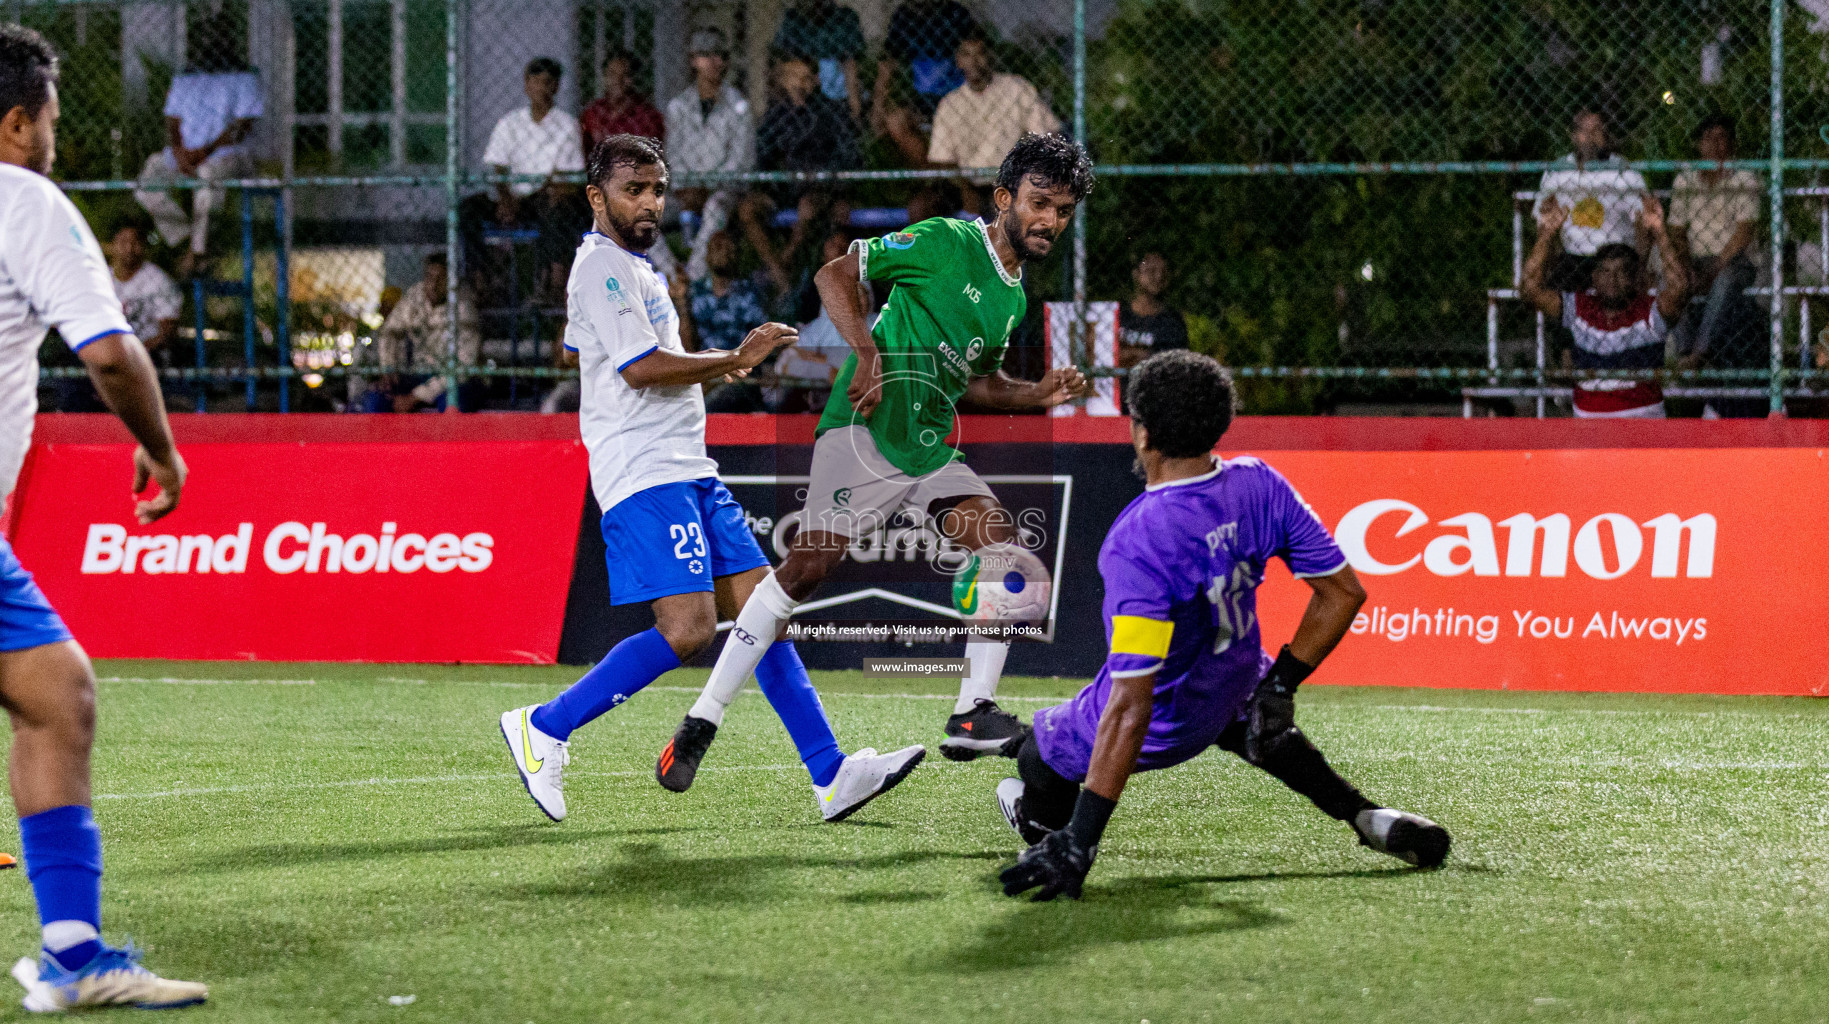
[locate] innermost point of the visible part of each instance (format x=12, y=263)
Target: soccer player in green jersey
x=881, y=444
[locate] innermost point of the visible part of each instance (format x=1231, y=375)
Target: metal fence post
x=1776, y=193
x=1081, y=351
x=452, y=265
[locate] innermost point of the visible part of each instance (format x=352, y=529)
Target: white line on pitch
x=823, y=693
x=1572, y=711
x=189, y=681
x=415, y=781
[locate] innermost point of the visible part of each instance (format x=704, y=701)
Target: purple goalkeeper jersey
x=1181, y=568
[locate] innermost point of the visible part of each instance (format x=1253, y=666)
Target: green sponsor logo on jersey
x=842, y=496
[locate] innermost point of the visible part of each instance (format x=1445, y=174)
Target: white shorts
x=854, y=490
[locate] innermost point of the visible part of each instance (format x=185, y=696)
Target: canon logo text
x=1533, y=546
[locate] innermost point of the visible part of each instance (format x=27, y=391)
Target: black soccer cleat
x=679, y=759
x=1411, y=838
x=986, y=729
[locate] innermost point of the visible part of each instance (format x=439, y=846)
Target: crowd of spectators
x=749, y=250
x=738, y=253
x=1627, y=285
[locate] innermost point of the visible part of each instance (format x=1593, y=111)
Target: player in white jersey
x=672, y=533
x=52, y=275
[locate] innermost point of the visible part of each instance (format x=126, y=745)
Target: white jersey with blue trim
x=51, y=275
x=618, y=314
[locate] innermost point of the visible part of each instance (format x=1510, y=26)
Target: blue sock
x=784, y=682
x=63, y=859
x=630, y=665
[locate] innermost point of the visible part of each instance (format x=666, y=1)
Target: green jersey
x=948, y=320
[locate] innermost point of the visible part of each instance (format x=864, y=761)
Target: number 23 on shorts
x=684, y=534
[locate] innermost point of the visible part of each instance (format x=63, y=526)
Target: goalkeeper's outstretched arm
x=1059, y=863
x=1271, y=717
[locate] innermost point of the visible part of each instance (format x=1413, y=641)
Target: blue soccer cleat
x=113, y=978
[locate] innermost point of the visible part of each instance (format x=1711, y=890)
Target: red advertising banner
x=373, y=551
x=1672, y=570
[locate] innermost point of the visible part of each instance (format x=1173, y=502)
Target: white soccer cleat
x=863, y=777
x=1009, y=801
x=113, y=978
x=539, y=758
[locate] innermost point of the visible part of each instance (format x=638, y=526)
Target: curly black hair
x=623, y=151
x=28, y=70
x=1184, y=399
x=1051, y=161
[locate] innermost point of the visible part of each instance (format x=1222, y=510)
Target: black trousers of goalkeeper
x=1048, y=796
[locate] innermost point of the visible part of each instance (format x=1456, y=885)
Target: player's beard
x=1022, y=242
x=639, y=235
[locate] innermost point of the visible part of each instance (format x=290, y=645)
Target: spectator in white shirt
x=538, y=139
x=209, y=113
x=709, y=129
x=1602, y=200
x=148, y=294
x=150, y=300
x=977, y=123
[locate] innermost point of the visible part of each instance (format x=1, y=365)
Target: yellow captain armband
x=1134, y=634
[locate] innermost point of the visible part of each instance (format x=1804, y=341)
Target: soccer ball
x=1003, y=584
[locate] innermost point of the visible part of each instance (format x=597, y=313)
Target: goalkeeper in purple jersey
x=1186, y=669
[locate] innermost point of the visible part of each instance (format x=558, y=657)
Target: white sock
x=983, y=670
x=758, y=624
x=61, y=935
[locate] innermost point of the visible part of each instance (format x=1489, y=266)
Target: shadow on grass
x=471, y=841
x=647, y=873
x=891, y=897
x=1128, y=910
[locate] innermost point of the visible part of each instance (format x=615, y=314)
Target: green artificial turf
x=312, y=839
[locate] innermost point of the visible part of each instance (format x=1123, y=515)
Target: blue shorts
x=675, y=539
x=26, y=618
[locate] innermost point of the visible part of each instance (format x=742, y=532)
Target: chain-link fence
x=1340, y=198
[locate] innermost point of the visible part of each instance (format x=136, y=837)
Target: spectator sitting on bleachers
x=209, y=112
x=1599, y=196
x=1713, y=217
x=148, y=295
x=620, y=110
x=538, y=139
x=722, y=309
x=820, y=353
x=829, y=37
x=804, y=130
x=708, y=129
x=149, y=298
x=1147, y=324
x=1617, y=324
x=923, y=35
x=977, y=123
x=415, y=342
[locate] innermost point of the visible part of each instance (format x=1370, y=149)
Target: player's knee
x=689, y=633
x=806, y=567
x=63, y=702
x=1288, y=750
x=1048, y=797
